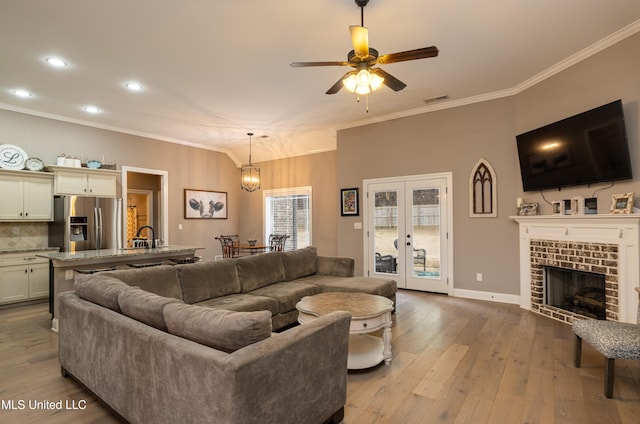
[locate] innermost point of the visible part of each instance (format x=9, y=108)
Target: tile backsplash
x=23, y=235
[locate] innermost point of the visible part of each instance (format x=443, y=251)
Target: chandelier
x=250, y=175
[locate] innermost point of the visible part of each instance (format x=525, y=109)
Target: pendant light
x=250, y=175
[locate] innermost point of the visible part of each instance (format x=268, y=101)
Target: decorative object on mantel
x=528, y=209
x=250, y=175
x=577, y=205
x=483, y=200
x=12, y=157
x=556, y=207
x=622, y=203
x=204, y=204
x=591, y=206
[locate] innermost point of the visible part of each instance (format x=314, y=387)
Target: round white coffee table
x=369, y=313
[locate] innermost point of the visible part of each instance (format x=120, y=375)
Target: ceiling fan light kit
x=365, y=78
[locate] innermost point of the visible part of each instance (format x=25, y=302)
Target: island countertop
x=105, y=255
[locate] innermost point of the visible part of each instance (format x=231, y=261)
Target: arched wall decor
x=483, y=201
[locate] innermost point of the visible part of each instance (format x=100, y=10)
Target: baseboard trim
x=489, y=296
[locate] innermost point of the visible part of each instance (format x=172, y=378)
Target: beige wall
x=454, y=139
x=317, y=171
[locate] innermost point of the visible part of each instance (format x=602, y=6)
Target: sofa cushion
x=287, y=293
x=100, y=289
x=242, y=302
x=161, y=280
x=300, y=263
x=145, y=306
x=260, y=270
x=379, y=286
x=206, y=280
x=219, y=329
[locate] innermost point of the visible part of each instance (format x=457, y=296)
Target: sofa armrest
x=304, y=368
x=335, y=266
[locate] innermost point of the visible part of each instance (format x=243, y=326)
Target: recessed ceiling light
x=56, y=61
x=133, y=86
x=22, y=93
x=92, y=109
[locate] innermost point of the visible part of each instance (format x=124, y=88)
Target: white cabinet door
x=101, y=185
x=71, y=183
x=11, y=205
x=38, y=280
x=14, y=283
x=38, y=199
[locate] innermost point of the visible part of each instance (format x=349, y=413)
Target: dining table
x=252, y=248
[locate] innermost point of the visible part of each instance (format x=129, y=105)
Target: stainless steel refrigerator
x=86, y=223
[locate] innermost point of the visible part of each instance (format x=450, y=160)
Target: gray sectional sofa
x=274, y=282
x=194, y=342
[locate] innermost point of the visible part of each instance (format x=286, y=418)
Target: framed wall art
x=349, y=202
x=622, y=203
x=204, y=204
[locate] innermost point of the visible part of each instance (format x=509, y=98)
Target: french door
x=408, y=227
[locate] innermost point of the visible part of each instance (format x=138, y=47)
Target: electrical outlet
x=479, y=276
x=16, y=231
x=179, y=226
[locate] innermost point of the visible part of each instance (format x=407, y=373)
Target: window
x=288, y=211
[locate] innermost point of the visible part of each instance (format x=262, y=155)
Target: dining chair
x=277, y=242
x=613, y=339
x=229, y=245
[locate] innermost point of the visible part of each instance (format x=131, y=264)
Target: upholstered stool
x=613, y=339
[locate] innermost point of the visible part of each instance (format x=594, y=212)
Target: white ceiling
x=213, y=70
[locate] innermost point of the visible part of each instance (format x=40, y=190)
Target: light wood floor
x=454, y=361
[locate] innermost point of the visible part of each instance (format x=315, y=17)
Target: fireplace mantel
x=620, y=230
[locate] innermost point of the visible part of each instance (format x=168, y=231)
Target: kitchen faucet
x=153, y=235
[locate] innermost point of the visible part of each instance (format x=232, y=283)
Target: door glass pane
x=386, y=231
x=426, y=232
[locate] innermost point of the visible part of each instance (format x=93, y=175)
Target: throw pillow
x=100, y=289
x=145, y=306
x=220, y=329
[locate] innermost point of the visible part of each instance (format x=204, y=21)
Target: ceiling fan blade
x=422, y=53
x=389, y=80
x=360, y=40
x=338, y=85
x=304, y=64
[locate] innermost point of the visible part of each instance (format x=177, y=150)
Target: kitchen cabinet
x=84, y=181
x=23, y=276
x=27, y=196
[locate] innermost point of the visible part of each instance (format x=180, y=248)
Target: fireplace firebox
x=579, y=292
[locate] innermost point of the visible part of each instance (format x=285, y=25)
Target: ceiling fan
x=365, y=78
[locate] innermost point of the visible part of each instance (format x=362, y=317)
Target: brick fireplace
x=607, y=245
x=596, y=258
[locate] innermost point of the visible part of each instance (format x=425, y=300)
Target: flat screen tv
x=587, y=148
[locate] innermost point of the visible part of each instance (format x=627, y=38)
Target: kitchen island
x=64, y=265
